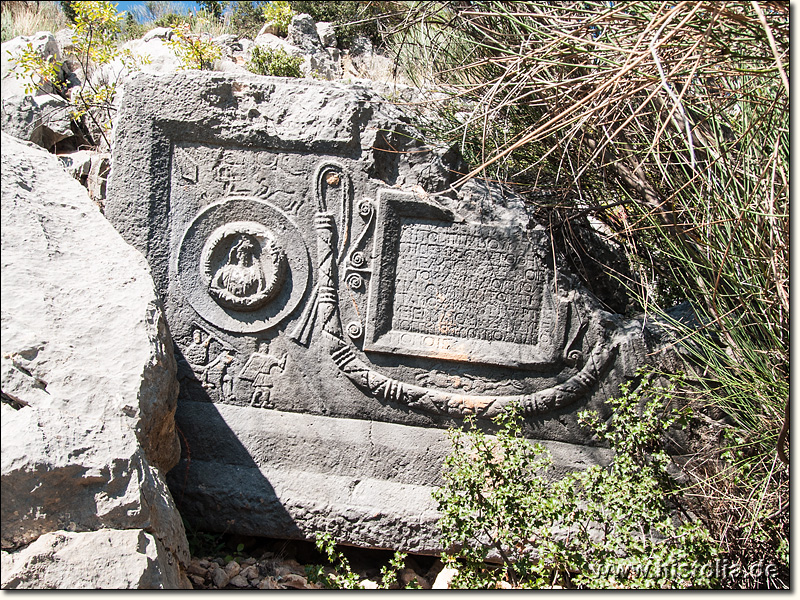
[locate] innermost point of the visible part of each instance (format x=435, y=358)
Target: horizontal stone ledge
x=287, y=475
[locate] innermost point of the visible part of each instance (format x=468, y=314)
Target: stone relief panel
x=468, y=292
x=382, y=288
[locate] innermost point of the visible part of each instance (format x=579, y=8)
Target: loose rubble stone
x=232, y=568
x=197, y=569
x=219, y=577
x=269, y=583
x=250, y=572
x=406, y=576
x=294, y=581
x=444, y=578
x=43, y=43
x=44, y=117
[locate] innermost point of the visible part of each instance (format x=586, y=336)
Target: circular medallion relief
x=243, y=265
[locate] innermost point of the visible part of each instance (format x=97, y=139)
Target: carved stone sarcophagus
x=335, y=307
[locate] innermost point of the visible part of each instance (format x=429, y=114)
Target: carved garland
x=326, y=305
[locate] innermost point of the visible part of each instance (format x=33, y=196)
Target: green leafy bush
x=276, y=62
x=247, y=18
x=279, y=13
x=195, y=51
x=603, y=527
x=213, y=8
x=131, y=28
x=350, y=19
x=169, y=20
x=96, y=29
x=340, y=575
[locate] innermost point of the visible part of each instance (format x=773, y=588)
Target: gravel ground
x=235, y=562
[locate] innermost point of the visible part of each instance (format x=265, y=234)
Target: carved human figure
x=196, y=353
x=195, y=358
x=242, y=276
x=259, y=371
x=217, y=376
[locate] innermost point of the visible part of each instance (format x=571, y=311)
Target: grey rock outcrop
x=88, y=393
x=327, y=34
x=163, y=33
x=44, y=119
x=364, y=62
x=304, y=41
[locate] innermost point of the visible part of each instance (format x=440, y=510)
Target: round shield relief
x=243, y=265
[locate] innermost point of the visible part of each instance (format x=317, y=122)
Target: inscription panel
x=453, y=280
x=461, y=291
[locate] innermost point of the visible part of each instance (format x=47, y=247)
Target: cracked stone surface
x=88, y=389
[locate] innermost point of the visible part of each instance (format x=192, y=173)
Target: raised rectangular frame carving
x=395, y=208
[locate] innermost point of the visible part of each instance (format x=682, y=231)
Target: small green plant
x=238, y=555
x=340, y=575
x=280, y=14
x=96, y=29
x=193, y=50
x=6, y=27
x=603, y=527
x=169, y=20
x=132, y=29
x=40, y=73
x=276, y=62
x=213, y=8
x=202, y=543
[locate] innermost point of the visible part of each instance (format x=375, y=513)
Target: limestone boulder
x=327, y=34
x=43, y=43
x=365, y=62
x=304, y=41
x=105, y=559
x=163, y=33
x=303, y=33
x=88, y=392
x=44, y=119
x=64, y=39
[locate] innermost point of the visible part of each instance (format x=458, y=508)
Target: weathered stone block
x=335, y=307
x=88, y=384
x=109, y=559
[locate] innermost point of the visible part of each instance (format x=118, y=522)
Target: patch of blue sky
x=139, y=10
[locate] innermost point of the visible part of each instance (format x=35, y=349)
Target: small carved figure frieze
x=259, y=370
